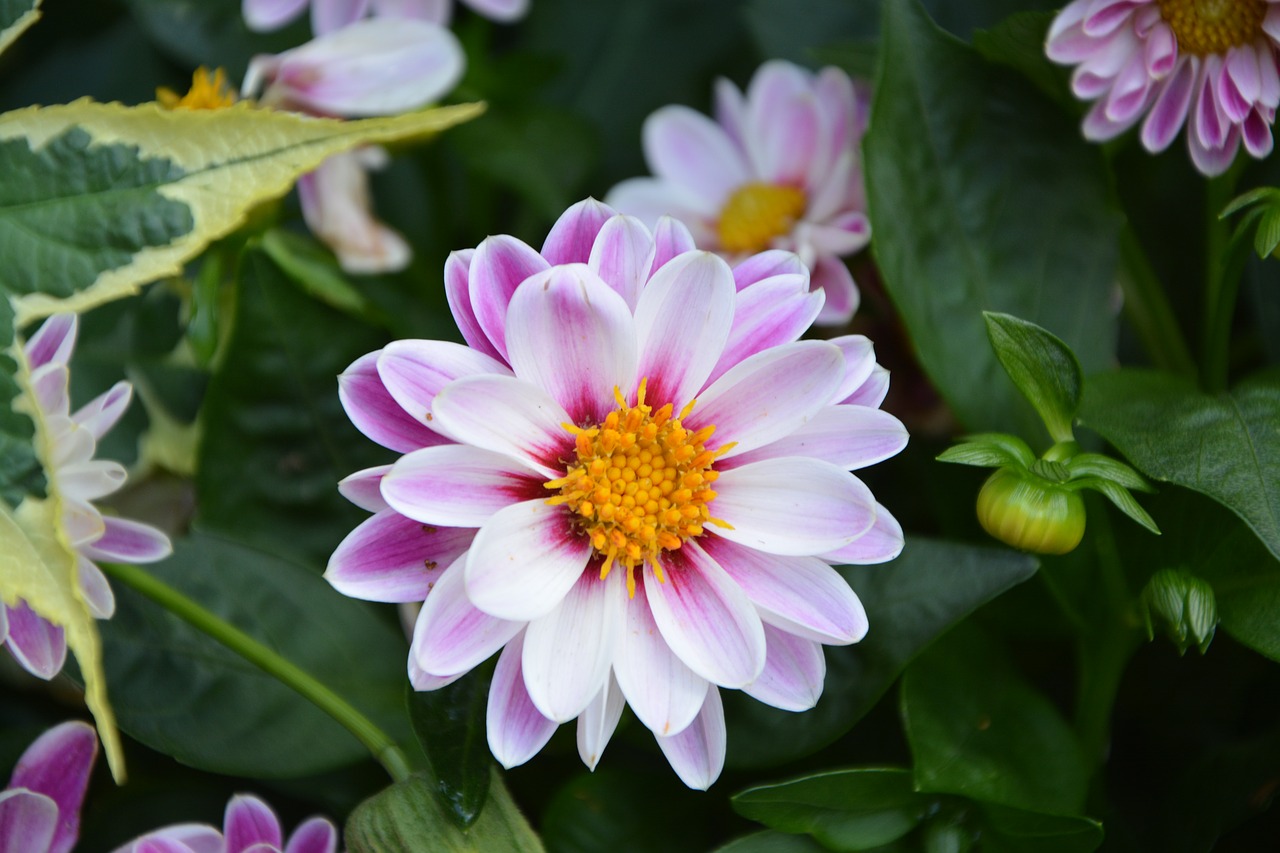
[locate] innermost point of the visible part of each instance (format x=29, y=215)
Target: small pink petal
x=882, y=543
x=364, y=488
x=774, y=87
x=597, y=723
x=36, y=644
x=568, y=652
x=697, y=753
x=872, y=391
x=571, y=239
x=53, y=342
x=664, y=693
x=623, y=255
x=315, y=835
x=415, y=371
x=525, y=560
x=376, y=413
x=1169, y=112
x=508, y=416
x=767, y=264
x=95, y=589
x=27, y=821
x=1256, y=135
x=497, y=268
x=249, y=821
x=650, y=199
x=100, y=414
x=127, y=541
x=671, y=238
x=849, y=437
x=793, y=673
x=859, y=360
x=769, y=313
x=451, y=636
x=393, y=558
x=57, y=764
x=338, y=208
x=457, y=290
x=792, y=506
x=516, y=730
x=457, y=485
x=730, y=110
x=705, y=617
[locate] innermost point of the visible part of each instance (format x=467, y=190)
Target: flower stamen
x=207, y=92
x=1203, y=27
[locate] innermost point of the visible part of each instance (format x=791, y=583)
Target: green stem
x=1224, y=266
x=382, y=747
x=1149, y=311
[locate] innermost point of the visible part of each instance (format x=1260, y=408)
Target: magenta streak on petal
x=516, y=729
x=451, y=634
x=249, y=821
x=376, y=414
x=664, y=693
x=497, y=268
x=36, y=644
x=571, y=238
x=27, y=821
x=671, y=237
x=457, y=290
x=57, y=764
x=768, y=313
x=53, y=341
x=622, y=255
x=793, y=673
x=393, y=558
x=458, y=485
x=316, y=835
x=767, y=264
x=127, y=541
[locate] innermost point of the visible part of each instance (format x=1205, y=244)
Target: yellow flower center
x=1203, y=27
x=641, y=484
x=756, y=213
x=208, y=92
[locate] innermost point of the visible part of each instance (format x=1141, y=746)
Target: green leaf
x=21, y=473
x=1224, y=446
x=314, y=269
x=911, y=601
x=990, y=450
x=1240, y=202
x=1268, y=235
x=1097, y=465
x=1017, y=831
x=276, y=439
x=15, y=17
x=1018, y=41
x=450, y=726
x=182, y=693
x=1245, y=578
x=978, y=730
x=844, y=809
x=983, y=196
x=1119, y=496
x=1042, y=366
x=407, y=818
x=772, y=842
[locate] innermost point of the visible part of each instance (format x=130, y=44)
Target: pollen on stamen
x=639, y=484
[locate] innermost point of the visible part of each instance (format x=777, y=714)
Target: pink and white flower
x=633, y=481
x=40, y=807
x=72, y=473
x=330, y=15
x=779, y=168
x=249, y=826
x=1210, y=64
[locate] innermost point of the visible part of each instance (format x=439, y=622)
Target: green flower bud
x=1183, y=605
x=1030, y=512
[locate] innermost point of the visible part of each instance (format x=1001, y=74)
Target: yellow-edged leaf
x=161, y=184
x=15, y=17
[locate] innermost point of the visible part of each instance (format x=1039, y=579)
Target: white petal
x=596, y=724
x=697, y=753
x=516, y=730
x=664, y=693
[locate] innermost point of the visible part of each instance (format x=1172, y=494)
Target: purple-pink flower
x=330, y=15
x=249, y=826
x=779, y=168
x=72, y=473
x=40, y=807
x=633, y=481
x=1208, y=64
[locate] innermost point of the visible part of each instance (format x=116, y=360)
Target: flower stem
x=1148, y=309
x=1224, y=265
x=379, y=743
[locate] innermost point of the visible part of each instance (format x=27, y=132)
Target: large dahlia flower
x=779, y=168
x=1210, y=64
x=633, y=481
x=249, y=826
x=73, y=474
x=40, y=807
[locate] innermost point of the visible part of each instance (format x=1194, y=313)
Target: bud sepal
x=1183, y=605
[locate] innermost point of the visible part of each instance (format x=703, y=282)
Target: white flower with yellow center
x=633, y=481
x=1210, y=64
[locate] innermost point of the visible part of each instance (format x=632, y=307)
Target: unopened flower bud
x=1031, y=513
x=1183, y=605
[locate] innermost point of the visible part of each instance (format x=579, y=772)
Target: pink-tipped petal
x=773, y=90
x=690, y=150
x=457, y=485
x=160, y=844
x=364, y=488
x=457, y=290
x=508, y=416
x=498, y=267
x=882, y=543
x=623, y=255
x=572, y=335
x=790, y=141
x=517, y=731
x=95, y=589
x=571, y=239
x=705, y=617
x=792, y=506
x=872, y=391
x=101, y=413
x=768, y=395
x=859, y=361
x=28, y=821
x=393, y=558
x=263, y=15
x=767, y=264
x=451, y=636
x=376, y=413
x=849, y=437
x=39, y=646
x=249, y=821
x=315, y=835
x=801, y=595
x=842, y=298
x=664, y=693
x=57, y=764
x=126, y=541
x=415, y=371
x=179, y=837
x=525, y=560
x=1255, y=133
x=567, y=653
x=671, y=238
x=697, y=753
x=53, y=342
x=766, y=314
x=597, y=723
x=794, y=670
x=683, y=321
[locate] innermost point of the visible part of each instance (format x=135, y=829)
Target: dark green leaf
x=1253, y=196
x=1018, y=41
x=1245, y=579
x=990, y=450
x=598, y=811
x=20, y=471
x=844, y=809
x=407, y=818
x=1097, y=465
x=1017, y=831
x=276, y=439
x=314, y=270
x=182, y=693
x=450, y=725
x=772, y=842
x=1042, y=366
x=1119, y=496
x=69, y=212
x=917, y=597
x=1223, y=446
x=211, y=32
x=978, y=730
x=983, y=196
x=1268, y=236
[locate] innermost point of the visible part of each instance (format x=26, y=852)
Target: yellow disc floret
x=756, y=213
x=208, y=92
x=640, y=485
x=1203, y=27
